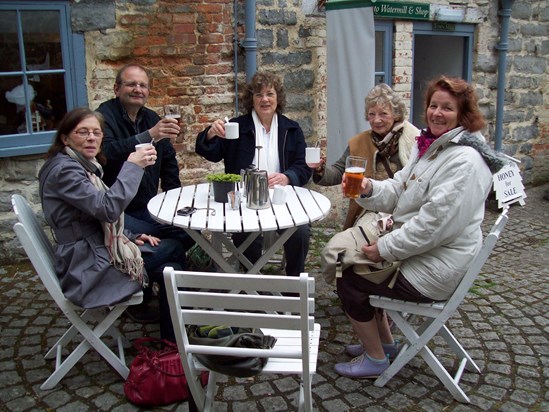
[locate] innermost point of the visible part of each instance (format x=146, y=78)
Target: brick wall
x=189, y=48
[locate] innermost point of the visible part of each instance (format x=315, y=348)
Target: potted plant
x=222, y=184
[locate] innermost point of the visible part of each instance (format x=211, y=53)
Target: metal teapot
x=244, y=178
x=257, y=190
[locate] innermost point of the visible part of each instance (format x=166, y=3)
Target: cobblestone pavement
x=504, y=325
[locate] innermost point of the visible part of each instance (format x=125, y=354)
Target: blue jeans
x=142, y=222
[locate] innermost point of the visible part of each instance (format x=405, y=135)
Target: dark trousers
x=295, y=249
x=354, y=292
x=171, y=251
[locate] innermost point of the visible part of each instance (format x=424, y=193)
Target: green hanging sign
x=347, y=4
x=387, y=9
x=398, y=10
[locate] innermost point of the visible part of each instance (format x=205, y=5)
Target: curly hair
x=469, y=114
x=258, y=82
x=68, y=123
x=382, y=95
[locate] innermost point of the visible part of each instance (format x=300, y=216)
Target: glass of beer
x=354, y=173
x=172, y=111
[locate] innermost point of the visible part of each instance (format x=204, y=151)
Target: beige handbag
x=344, y=250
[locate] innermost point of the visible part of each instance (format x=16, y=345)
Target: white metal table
x=211, y=225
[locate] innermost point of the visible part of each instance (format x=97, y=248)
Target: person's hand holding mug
x=223, y=129
x=144, y=155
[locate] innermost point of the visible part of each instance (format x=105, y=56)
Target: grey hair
x=382, y=95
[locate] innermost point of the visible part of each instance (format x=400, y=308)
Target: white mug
x=231, y=130
x=142, y=146
x=312, y=155
x=279, y=195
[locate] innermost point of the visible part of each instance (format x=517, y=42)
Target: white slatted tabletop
x=303, y=206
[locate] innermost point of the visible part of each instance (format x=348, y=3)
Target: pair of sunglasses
x=189, y=210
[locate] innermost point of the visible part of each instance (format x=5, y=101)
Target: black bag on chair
x=231, y=337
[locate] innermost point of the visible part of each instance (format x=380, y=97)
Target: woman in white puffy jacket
x=437, y=202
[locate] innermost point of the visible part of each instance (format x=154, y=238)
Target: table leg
x=215, y=254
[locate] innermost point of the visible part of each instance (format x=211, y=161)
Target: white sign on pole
x=508, y=185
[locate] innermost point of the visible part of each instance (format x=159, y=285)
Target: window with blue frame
x=384, y=52
x=37, y=74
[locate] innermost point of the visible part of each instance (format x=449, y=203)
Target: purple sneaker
x=391, y=349
x=362, y=367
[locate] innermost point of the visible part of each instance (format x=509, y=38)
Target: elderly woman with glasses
x=98, y=264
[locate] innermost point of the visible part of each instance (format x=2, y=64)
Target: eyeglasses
x=269, y=95
x=135, y=85
x=84, y=133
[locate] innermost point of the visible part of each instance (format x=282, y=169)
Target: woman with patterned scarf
x=386, y=147
x=437, y=204
x=98, y=264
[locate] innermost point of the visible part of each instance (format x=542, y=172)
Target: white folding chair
x=434, y=317
x=289, y=319
x=91, y=324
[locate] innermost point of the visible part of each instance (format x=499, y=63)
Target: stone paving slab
x=503, y=323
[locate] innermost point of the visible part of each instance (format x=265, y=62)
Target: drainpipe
x=505, y=13
x=250, y=41
x=235, y=62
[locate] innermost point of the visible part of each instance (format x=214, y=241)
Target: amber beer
x=354, y=173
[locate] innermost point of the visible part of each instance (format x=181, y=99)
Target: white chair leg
x=456, y=347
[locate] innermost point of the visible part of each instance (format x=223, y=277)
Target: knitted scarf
x=125, y=255
x=425, y=140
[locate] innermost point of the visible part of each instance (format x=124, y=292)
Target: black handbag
x=231, y=337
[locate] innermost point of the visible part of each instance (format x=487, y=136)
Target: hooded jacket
x=437, y=202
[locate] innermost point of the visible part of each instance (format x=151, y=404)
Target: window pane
x=42, y=40
x=50, y=100
x=9, y=45
x=12, y=104
x=379, y=79
x=47, y=103
x=380, y=50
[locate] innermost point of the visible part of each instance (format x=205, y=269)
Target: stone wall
x=189, y=48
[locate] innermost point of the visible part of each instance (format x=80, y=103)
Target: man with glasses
x=128, y=123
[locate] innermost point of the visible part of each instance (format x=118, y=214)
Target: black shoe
x=142, y=313
x=546, y=195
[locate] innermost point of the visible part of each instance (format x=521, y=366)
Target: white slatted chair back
x=252, y=301
x=435, y=316
x=91, y=324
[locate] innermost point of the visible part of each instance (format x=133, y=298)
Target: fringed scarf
x=125, y=255
x=388, y=145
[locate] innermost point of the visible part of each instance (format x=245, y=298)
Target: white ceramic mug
x=231, y=130
x=142, y=146
x=312, y=155
x=279, y=195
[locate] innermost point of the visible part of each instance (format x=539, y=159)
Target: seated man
x=127, y=123
x=282, y=154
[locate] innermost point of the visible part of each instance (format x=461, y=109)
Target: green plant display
x=223, y=177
